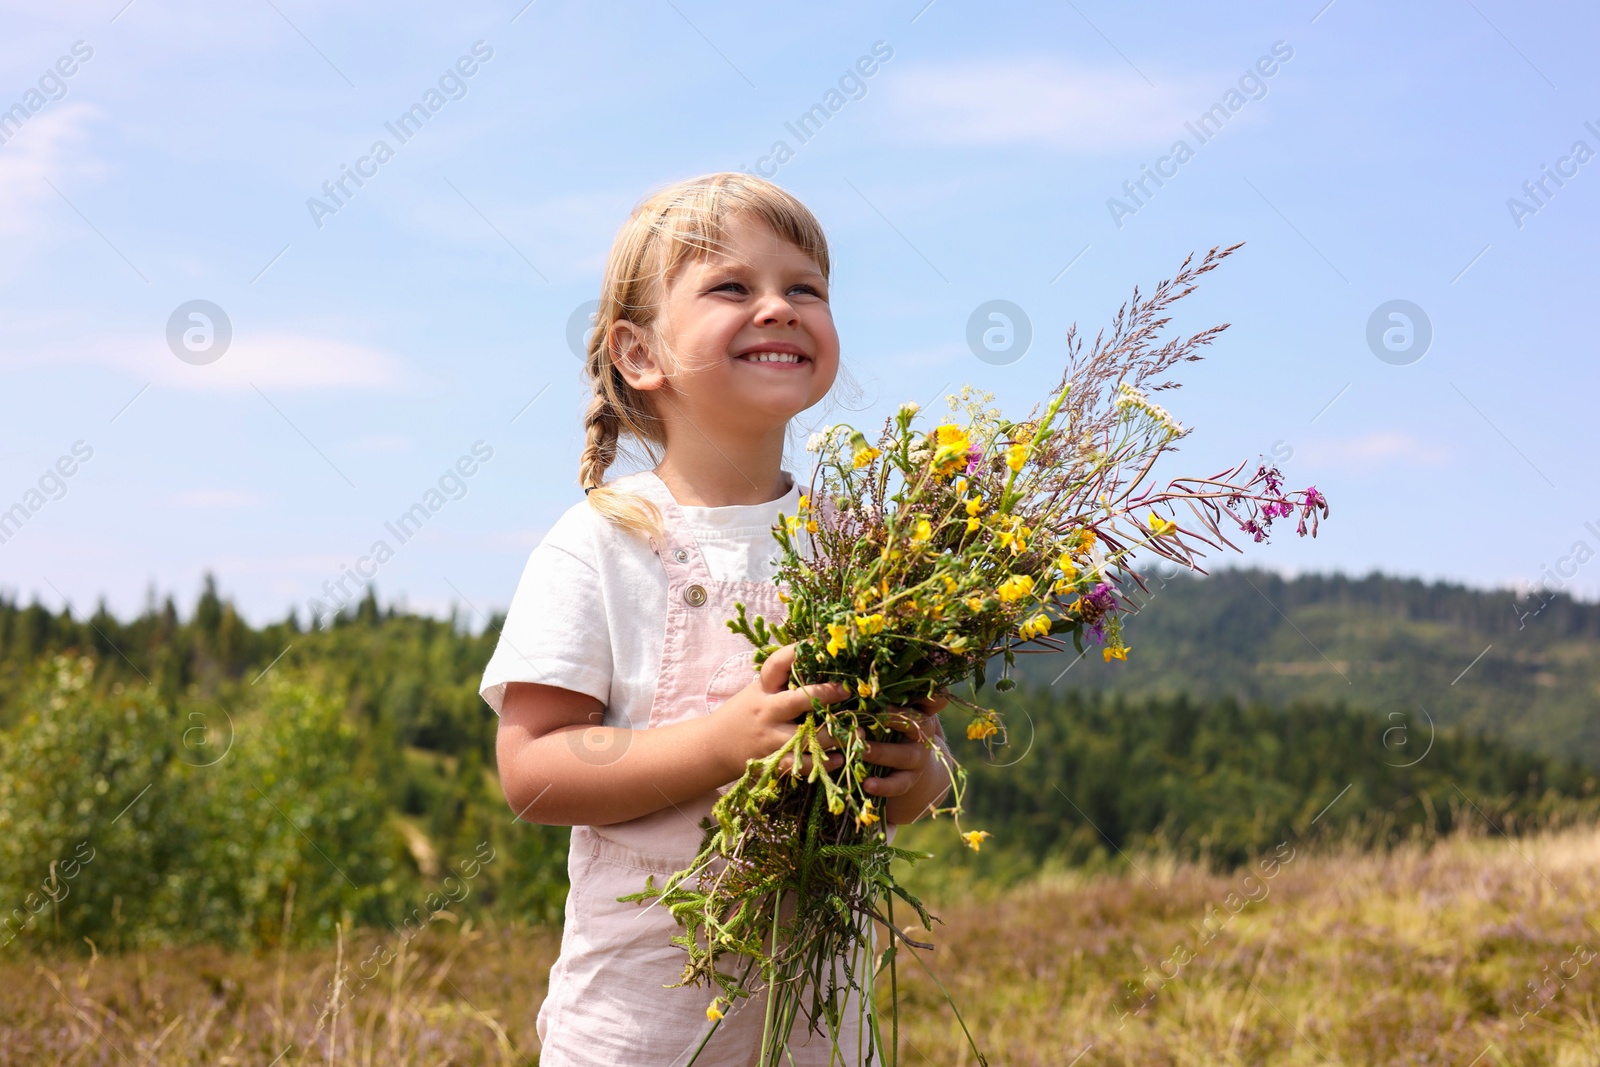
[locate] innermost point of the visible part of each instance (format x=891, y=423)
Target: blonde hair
x=682, y=222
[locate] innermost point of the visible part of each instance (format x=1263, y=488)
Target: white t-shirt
x=590, y=611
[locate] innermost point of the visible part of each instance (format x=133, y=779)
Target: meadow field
x=1469, y=950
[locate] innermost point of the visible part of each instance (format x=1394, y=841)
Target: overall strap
x=676, y=547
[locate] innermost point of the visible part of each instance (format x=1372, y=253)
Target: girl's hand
x=910, y=760
x=760, y=719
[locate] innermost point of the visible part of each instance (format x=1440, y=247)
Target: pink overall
x=607, y=1005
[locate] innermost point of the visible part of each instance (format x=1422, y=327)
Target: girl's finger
x=775, y=669
x=834, y=761
x=901, y=755
x=824, y=692
x=891, y=785
x=938, y=699
x=916, y=726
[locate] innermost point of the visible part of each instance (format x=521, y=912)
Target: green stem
x=1049, y=416
x=982, y=1059
x=768, y=968
x=894, y=993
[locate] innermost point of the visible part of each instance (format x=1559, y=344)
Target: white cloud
x=284, y=361
x=563, y=237
x=287, y=361
x=210, y=499
x=44, y=151
x=1382, y=446
x=276, y=565
x=1041, y=99
x=378, y=445
x=514, y=539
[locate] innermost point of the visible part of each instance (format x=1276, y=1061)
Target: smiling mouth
x=788, y=358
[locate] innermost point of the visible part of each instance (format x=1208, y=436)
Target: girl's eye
x=813, y=290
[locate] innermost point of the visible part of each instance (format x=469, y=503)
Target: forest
x=168, y=780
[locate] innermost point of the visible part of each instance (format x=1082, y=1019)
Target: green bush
x=129, y=821
x=92, y=816
x=291, y=804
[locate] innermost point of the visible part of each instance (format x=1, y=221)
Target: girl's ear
x=634, y=358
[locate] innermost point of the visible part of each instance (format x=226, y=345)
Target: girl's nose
x=777, y=309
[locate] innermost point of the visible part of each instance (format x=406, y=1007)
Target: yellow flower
x=1085, y=539
x=1015, y=455
x=867, y=816
x=974, y=838
x=972, y=524
x=805, y=502
x=867, y=688
x=811, y=525
x=1037, y=626
x=949, y=583
x=714, y=1010
x=922, y=533
x=1015, y=587
x=1161, y=527
x=952, y=447
x=1014, y=538
x=978, y=729
x=783, y=596
x=1068, y=566
x=864, y=453
x=974, y=504
x=793, y=523
x=975, y=603
x=870, y=624
x=960, y=485
x=837, y=632
x=1010, y=531
x=1115, y=652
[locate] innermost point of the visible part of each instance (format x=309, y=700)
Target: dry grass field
x=1476, y=951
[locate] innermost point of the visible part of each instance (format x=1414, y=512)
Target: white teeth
x=772, y=357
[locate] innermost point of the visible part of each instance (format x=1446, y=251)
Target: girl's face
x=752, y=331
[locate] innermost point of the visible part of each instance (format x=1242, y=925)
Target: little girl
x=626, y=704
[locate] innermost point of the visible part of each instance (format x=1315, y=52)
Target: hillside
x=1405, y=651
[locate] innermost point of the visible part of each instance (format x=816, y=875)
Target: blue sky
x=375, y=345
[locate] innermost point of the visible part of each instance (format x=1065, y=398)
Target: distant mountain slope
x=1406, y=651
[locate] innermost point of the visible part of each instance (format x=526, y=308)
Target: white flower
x=910, y=407
x=1129, y=397
x=1097, y=558
x=826, y=439
x=821, y=439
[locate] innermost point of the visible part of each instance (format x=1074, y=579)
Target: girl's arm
x=560, y=768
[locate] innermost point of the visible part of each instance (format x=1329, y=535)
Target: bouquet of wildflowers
x=917, y=557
